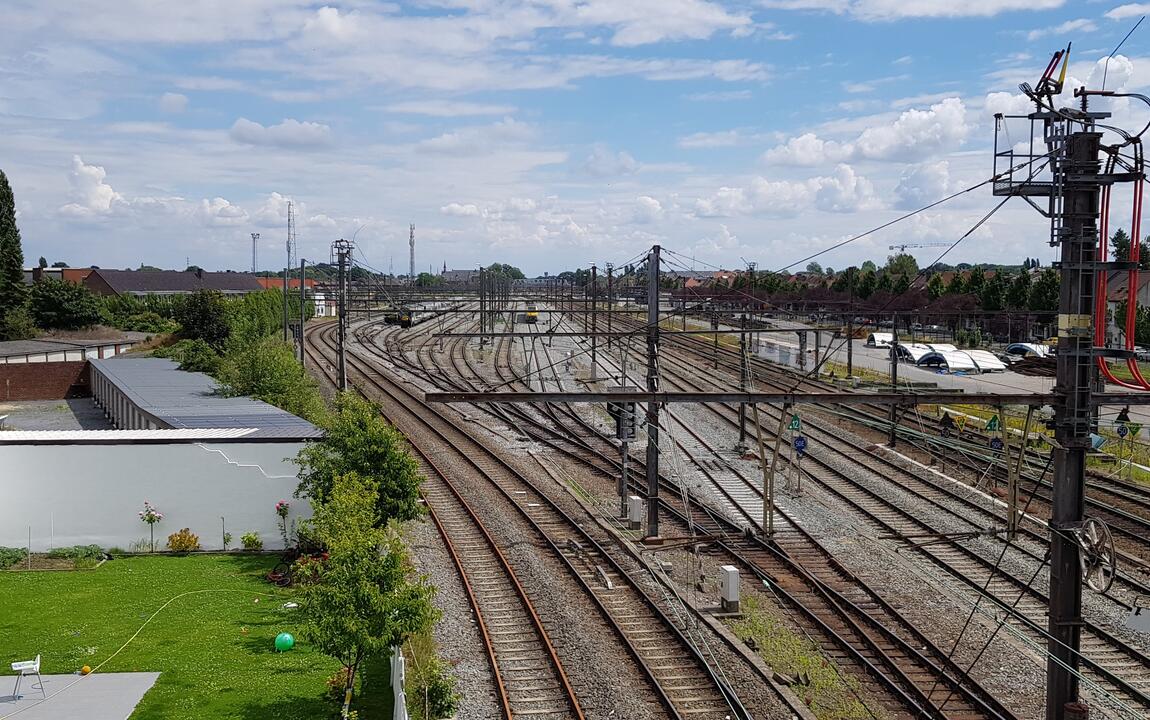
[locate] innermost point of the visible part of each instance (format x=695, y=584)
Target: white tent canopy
x=880, y=339
x=914, y=351
x=986, y=361
x=953, y=361
x=1025, y=349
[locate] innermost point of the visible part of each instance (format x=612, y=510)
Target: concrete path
x=103, y=696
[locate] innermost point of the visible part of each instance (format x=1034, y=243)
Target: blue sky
x=547, y=134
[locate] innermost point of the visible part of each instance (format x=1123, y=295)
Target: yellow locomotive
x=532, y=314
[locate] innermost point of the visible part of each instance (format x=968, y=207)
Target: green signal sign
x=795, y=424
x=992, y=423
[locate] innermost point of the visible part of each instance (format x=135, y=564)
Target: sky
x=548, y=134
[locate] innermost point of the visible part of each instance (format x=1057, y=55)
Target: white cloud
x=447, y=108
x=1129, y=10
x=173, y=103
x=922, y=184
x=89, y=194
x=876, y=10
x=219, y=212
x=916, y=133
x=1081, y=25
x=602, y=162
x=719, y=96
x=808, y=149
x=458, y=210
x=479, y=140
x=288, y=134
x=723, y=138
x=842, y=191
x=647, y=209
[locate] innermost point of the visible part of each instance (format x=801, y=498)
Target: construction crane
x=903, y=246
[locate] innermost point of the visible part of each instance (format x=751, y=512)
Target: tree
x=867, y=284
x=885, y=283
x=13, y=291
x=360, y=441
x=59, y=264
x=427, y=279
x=203, y=315
x=814, y=268
x=194, y=268
x=1120, y=245
x=869, y=266
x=43, y=262
x=976, y=281
x=360, y=601
x=934, y=286
x=902, y=264
x=58, y=304
x=1018, y=296
x=994, y=293
x=901, y=284
x=509, y=270
x=957, y=286
x=1044, y=294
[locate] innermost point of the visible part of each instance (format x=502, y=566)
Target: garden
x=306, y=633
x=214, y=645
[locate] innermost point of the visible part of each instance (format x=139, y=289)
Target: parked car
x=1141, y=353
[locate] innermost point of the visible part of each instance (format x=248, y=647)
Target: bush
x=192, y=355
x=148, y=322
x=11, y=556
x=266, y=369
x=336, y=684
x=183, y=541
x=17, y=324
x=64, y=305
x=251, y=541
x=77, y=552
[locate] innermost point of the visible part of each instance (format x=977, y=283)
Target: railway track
x=680, y=679
x=1117, y=667
x=1124, y=506
x=856, y=621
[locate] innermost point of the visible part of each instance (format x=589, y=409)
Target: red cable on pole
x=1100, y=298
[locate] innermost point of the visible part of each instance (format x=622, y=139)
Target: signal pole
x=594, y=323
x=1078, y=223
x=653, y=386
x=1074, y=193
x=302, y=311
x=342, y=249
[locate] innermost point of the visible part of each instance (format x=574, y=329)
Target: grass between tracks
x=829, y=694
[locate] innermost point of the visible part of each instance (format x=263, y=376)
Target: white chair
x=27, y=667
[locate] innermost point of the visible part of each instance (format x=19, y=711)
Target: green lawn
x=210, y=668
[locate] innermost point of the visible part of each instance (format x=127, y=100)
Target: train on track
x=532, y=315
x=407, y=315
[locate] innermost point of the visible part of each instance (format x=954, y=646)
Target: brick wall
x=44, y=381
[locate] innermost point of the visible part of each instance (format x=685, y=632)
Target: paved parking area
x=110, y=696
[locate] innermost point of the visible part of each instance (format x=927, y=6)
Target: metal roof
x=181, y=399
x=162, y=281
x=120, y=437
x=51, y=345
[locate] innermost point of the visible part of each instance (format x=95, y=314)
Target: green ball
x=284, y=642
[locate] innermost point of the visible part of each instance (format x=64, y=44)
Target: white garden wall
x=91, y=494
